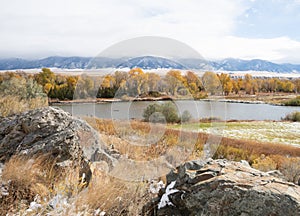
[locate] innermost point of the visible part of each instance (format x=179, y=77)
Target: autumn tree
x=46, y=78
x=273, y=84
x=174, y=80
x=137, y=82
x=297, y=85
x=236, y=87
x=211, y=83
x=107, y=87
x=226, y=83
x=288, y=86
x=193, y=82
x=153, y=81
x=120, y=87
x=248, y=84
x=255, y=86
x=120, y=77
x=86, y=87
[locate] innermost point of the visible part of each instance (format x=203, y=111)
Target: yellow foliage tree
x=211, y=83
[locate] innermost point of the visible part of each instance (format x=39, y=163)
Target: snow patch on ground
x=164, y=201
x=156, y=186
x=274, y=132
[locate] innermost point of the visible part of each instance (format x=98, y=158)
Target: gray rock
x=3, y=190
x=276, y=173
x=222, y=187
x=244, y=162
x=50, y=131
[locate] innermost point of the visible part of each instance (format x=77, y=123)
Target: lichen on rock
x=54, y=132
x=221, y=187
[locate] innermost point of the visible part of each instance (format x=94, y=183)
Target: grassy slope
x=262, y=131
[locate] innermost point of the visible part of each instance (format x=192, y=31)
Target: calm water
x=198, y=109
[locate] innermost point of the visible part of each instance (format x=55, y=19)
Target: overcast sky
x=247, y=29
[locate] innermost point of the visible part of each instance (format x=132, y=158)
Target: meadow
x=261, y=154
x=282, y=132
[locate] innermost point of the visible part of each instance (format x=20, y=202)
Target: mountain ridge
x=151, y=62
x=148, y=62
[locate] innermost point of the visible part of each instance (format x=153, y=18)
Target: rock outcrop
x=50, y=131
x=221, y=187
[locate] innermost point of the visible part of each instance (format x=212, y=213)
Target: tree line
x=137, y=83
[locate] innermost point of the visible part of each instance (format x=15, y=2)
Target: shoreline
x=113, y=100
x=261, y=98
x=109, y=100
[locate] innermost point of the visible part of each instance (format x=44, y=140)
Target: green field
x=263, y=131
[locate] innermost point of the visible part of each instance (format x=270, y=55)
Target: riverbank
x=261, y=98
x=277, y=99
x=109, y=100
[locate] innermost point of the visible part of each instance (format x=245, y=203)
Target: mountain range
x=148, y=62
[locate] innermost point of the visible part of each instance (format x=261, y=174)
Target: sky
x=216, y=29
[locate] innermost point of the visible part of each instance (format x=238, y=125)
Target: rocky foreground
x=221, y=187
x=50, y=131
x=211, y=187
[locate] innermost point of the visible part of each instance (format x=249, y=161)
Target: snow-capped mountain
x=148, y=62
x=151, y=62
x=253, y=65
x=53, y=61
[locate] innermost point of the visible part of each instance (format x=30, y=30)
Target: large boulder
x=221, y=187
x=50, y=131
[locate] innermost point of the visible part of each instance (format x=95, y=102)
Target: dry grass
x=258, y=148
x=28, y=177
x=13, y=105
x=245, y=149
x=141, y=140
x=40, y=175
x=36, y=173
x=276, y=156
x=114, y=196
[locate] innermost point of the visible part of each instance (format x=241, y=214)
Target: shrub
x=151, y=109
x=166, y=112
x=21, y=87
x=169, y=110
x=210, y=119
x=151, y=94
x=106, y=92
x=157, y=117
x=264, y=163
x=19, y=95
x=290, y=168
x=186, y=116
x=10, y=105
x=294, y=116
x=293, y=102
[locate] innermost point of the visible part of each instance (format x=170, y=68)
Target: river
x=198, y=110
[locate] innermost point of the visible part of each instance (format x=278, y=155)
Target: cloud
x=281, y=49
x=86, y=27
x=35, y=28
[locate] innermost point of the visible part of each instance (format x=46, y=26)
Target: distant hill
x=148, y=62
x=151, y=62
x=53, y=61
x=253, y=65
